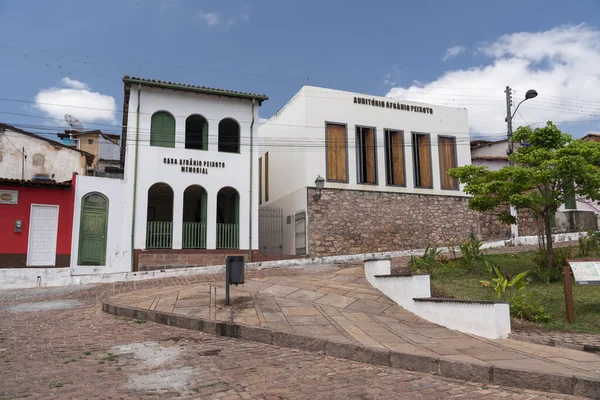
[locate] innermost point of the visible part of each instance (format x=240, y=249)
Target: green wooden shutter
x=162, y=130
x=570, y=203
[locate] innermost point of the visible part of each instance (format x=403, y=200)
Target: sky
x=69, y=57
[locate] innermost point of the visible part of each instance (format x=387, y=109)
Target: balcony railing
x=194, y=235
x=159, y=235
x=228, y=236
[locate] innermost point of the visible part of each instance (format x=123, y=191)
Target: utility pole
x=23, y=164
x=514, y=228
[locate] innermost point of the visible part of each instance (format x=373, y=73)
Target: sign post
x=569, y=294
x=585, y=272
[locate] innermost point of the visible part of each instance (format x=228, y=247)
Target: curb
x=481, y=373
x=591, y=348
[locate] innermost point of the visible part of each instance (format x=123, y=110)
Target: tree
x=546, y=171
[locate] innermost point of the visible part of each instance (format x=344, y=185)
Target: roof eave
x=163, y=85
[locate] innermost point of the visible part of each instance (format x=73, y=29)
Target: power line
x=19, y=150
x=245, y=73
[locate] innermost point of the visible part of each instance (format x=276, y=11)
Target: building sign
x=9, y=196
x=586, y=272
x=394, y=105
x=193, y=166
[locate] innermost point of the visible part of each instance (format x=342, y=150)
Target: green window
x=570, y=202
x=162, y=130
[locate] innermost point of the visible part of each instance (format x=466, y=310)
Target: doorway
x=43, y=230
x=92, y=230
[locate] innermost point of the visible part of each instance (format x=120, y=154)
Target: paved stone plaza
x=56, y=343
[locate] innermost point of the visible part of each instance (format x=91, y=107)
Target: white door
x=43, y=229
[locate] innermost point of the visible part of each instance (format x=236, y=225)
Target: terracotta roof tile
x=36, y=183
x=504, y=158
x=197, y=88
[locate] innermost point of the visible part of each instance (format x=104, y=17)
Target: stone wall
x=353, y=221
x=527, y=223
x=491, y=228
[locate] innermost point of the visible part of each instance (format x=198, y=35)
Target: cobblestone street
x=57, y=344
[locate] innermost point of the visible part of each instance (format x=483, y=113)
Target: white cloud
x=453, y=52
x=387, y=80
x=211, y=18
x=73, y=84
x=78, y=100
x=561, y=64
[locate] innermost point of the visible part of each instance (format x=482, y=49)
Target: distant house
x=591, y=137
x=491, y=154
x=105, y=147
x=27, y=156
x=36, y=224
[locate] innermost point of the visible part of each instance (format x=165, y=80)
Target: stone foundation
x=354, y=221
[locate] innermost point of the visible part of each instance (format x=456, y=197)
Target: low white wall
x=490, y=320
x=11, y=278
x=17, y=278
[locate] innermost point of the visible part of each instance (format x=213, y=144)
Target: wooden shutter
x=447, y=147
x=162, y=130
x=266, y=176
x=336, y=153
x=260, y=180
x=570, y=201
x=424, y=150
x=369, y=140
x=396, y=141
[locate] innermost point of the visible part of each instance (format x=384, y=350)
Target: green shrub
x=527, y=307
x=501, y=283
x=589, y=245
x=547, y=275
x=471, y=252
x=427, y=262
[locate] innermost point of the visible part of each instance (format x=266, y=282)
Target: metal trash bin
x=234, y=273
x=234, y=270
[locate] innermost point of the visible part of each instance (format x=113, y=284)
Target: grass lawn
x=457, y=282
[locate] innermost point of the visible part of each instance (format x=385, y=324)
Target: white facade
x=295, y=140
x=299, y=131
x=118, y=235
x=43, y=157
x=133, y=202
x=491, y=154
x=151, y=167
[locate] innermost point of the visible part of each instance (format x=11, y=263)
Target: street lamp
x=319, y=183
x=530, y=94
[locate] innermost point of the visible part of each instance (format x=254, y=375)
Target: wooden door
x=43, y=230
x=92, y=231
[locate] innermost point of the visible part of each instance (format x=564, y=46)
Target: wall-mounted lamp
x=319, y=183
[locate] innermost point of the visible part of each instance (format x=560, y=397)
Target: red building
x=36, y=222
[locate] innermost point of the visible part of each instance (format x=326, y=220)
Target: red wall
x=12, y=242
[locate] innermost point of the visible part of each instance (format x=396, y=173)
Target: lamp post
x=319, y=183
x=530, y=94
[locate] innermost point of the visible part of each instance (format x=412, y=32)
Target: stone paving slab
x=327, y=311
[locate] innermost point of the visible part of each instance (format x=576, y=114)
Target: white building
x=189, y=193
x=25, y=155
x=385, y=166
x=491, y=154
